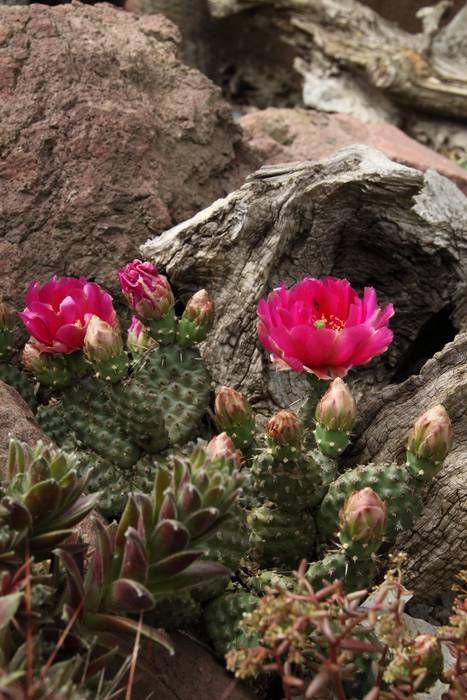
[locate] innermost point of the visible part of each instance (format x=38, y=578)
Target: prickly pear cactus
x=223, y=616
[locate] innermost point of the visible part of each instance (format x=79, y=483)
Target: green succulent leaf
x=9, y=605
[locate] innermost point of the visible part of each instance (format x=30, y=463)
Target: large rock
x=16, y=420
x=280, y=135
x=106, y=139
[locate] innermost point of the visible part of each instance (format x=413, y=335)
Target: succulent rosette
x=322, y=326
x=57, y=313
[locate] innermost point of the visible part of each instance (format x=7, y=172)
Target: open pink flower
x=57, y=313
x=322, y=326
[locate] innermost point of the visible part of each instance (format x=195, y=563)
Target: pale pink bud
x=200, y=309
x=221, y=446
x=431, y=436
x=33, y=359
x=102, y=341
x=231, y=407
x=336, y=409
x=363, y=516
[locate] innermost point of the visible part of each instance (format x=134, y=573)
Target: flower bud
x=197, y=319
x=221, y=446
x=336, y=409
x=33, y=359
x=102, y=341
x=103, y=347
x=431, y=436
x=48, y=369
x=363, y=520
x=284, y=429
x=235, y=415
x=138, y=339
x=147, y=292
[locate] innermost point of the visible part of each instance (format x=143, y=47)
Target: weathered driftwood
x=355, y=215
x=437, y=544
x=419, y=70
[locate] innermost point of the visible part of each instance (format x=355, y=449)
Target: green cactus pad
x=139, y=415
x=280, y=538
x=393, y=483
x=332, y=443
x=90, y=416
x=354, y=574
x=19, y=380
x=222, y=618
x=268, y=579
x=293, y=484
x=177, y=383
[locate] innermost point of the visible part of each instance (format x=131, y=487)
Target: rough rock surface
x=106, y=139
x=16, y=420
x=280, y=135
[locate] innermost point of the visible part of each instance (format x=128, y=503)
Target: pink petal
x=36, y=327
x=376, y=345
x=71, y=336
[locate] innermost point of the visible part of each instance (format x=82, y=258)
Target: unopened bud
x=363, y=520
x=285, y=429
x=33, y=359
x=222, y=447
x=336, y=409
x=431, y=436
x=49, y=369
x=103, y=347
x=138, y=339
x=102, y=341
x=235, y=415
x=148, y=293
x=196, y=320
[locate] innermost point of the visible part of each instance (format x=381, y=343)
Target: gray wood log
x=356, y=215
x=436, y=546
x=413, y=69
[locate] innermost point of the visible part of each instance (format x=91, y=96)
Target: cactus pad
x=392, y=483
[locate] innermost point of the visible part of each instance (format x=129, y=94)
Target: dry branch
x=417, y=70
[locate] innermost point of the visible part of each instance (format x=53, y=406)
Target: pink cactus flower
x=58, y=312
x=147, y=292
x=322, y=326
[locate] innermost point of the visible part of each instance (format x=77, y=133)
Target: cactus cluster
x=121, y=413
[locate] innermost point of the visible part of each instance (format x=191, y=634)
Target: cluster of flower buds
x=429, y=442
x=335, y=418
x=362, y=523
x=235, y=416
